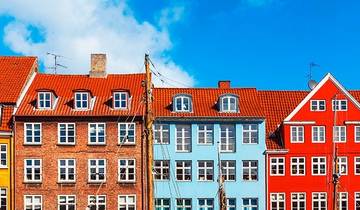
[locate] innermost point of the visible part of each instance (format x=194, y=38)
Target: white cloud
x=77, y=28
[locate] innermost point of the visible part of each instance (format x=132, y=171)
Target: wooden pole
x=222, y=194
x=149, y=134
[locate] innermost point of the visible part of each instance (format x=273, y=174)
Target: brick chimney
x=98, y=65
x=224, y=84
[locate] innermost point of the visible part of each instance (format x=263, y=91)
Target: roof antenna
x=56, y=64
x=312, y=83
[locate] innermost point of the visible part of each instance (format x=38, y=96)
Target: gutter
x=277, y=151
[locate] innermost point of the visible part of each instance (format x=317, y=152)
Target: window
x=32, y=133
x=67, y=169
x=297, y=166
x=298, y=201
x=162, y=169
x=297, y=134
x=97, y=202
x=66, y=133
x=82, y=100
x=357, y=201
x=183, y=204
x=318, y=165
x=66, y=202
x=161, y=134
x=33, y=202
x=227, y=138
x=3, y=199
x=127, y=133
x=206, y=203
x=97, y=170
x=277, y=201
x=343, y=201
x=357, y=133
x=277, y=166
x=127, y=171
x=120, y=100
x=183, y=138
x=44, y=100
x=33, y=170
x=250, y=134
x=96, y=133
x=342, y=165
x=339, y=105
x=231, y=203
x=318, y=134
x=250, y=204
x=183, y=170
x=357, y=165
x=228, y=170
x=182, y=104
x=3, y=156
x=250, y=170
x=205, y=134
x=318, y=105
x=339, y=133
x=162, y=204
x=205, y=170
x=127, y=202
x=319, y=201
x=228, y=104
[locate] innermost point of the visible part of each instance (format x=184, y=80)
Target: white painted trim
x=277, y=163
x=299, y=122
x=312, y=93
x=312, y=166
x=297, y=130
x=352, y=122
x=6, y=133
x=41, y=199
x=291, y=164
x=312, y=134
x=278, y=151
x=355, y=165
x=24, y=91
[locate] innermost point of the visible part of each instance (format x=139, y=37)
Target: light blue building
x=193, y=131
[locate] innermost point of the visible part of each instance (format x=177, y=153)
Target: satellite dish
x=312, y=84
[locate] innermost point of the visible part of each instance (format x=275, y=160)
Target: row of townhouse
x=77, y=142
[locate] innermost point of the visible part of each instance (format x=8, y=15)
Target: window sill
x=31, y=144
x=65, y=144
x=127, y=144
x=4, y=167
x=127, y=182
x=67, y=182
x=32, y=182
x=183, y=151
x=96, y=182
x=96, y=144
x=205, y=180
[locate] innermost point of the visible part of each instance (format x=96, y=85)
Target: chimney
x=98, y=65
x=224, y=84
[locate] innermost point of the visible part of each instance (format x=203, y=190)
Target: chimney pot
x=98, y=65
x=224, y=84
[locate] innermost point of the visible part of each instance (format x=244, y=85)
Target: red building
x=306, y=130
x=79, y=141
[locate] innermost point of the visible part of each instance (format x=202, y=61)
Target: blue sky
x=266, y=44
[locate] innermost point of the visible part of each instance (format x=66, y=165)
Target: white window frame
x=128, y=205
x=97, y=199
x=66, y=167
x=299, y=134
x=125, y=139
x=317, y=104
x=319, y=200
x=341, y=199
x=356, y=164
x=226, y=140
x=318, y=130
x=298, y=200
x=161, y=170
x=277, y=200
x=183, y=169
x=228, y=98
x=252, y=133
x=82, y=100
x=182, y=99
x=2, y=152
x=161, y=130
x=356, y=134
x=341, y=162
x=183, y=141
x=228, y=205
x=250, y=206
x=277, y=165
x=32, y=142
x=226, y=168
x=319, y=164
x=67, y=136
x=126, y=167
x=183, y=205
x=208, y=129
x=120, y=100
x=32, y=167
x=32, y=204
x=250, y=168
x=44, y=100
x=337, y=105
x=97, y=167
x=208, y=169
x=4, y=196
x=67, y=203
x=337, y=137
x=96, y=134
x=206, y=205
x=295, y=161
x=159, y=203
x=357, y=200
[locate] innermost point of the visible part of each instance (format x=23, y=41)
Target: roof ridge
x=87, y=75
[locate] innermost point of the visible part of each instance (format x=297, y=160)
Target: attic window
x=45, y=100
x=228, y=103
x=120, y=100
x=339, y=105
x=182, y=103
x=81, y=100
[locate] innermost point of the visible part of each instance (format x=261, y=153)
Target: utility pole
x=222, y=195
x=149, y=134
x=336, y=172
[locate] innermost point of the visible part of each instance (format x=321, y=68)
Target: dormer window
x=182, y=103
x=44, y=100
x=120, y=100
x=81, y=100
x=228, y=103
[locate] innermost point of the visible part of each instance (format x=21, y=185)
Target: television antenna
x=312, y=83
x=56, y=64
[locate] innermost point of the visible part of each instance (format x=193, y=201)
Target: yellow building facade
x=5, y=171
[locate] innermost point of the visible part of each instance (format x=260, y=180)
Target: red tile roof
x=6, y=118
x=205, y=102
x=64, y=86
